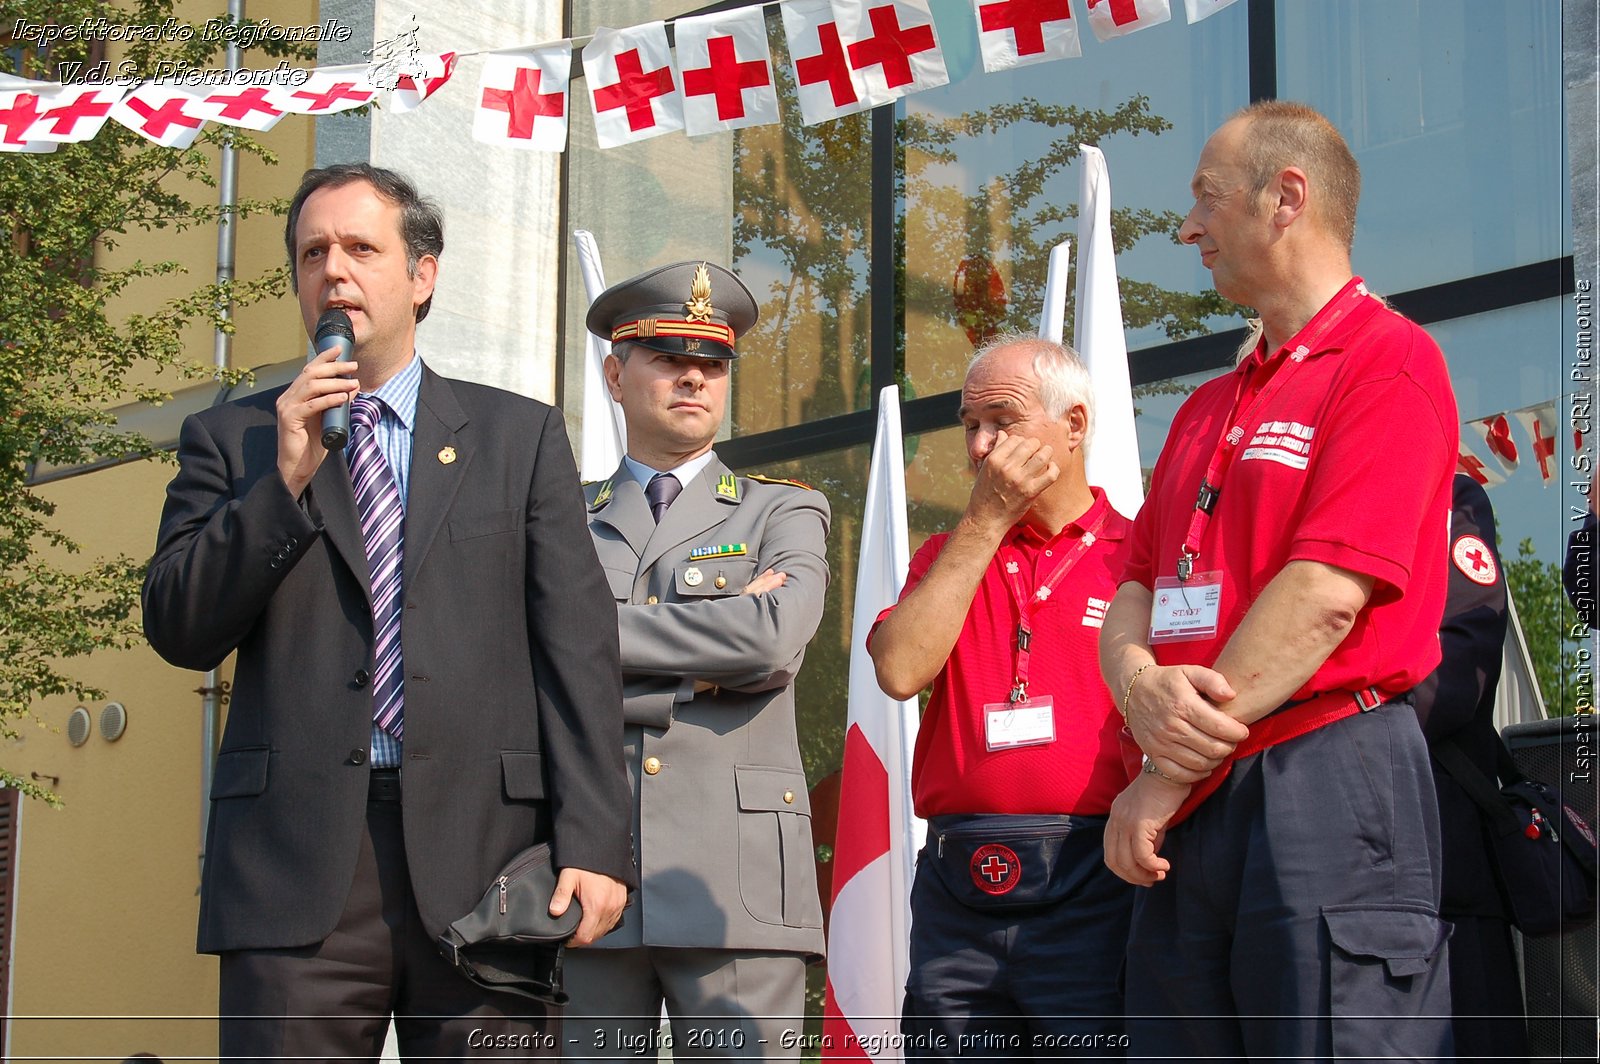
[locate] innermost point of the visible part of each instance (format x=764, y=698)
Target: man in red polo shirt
x=1287, y=572
x=1017, y=926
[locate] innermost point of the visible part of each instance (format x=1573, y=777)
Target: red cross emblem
x=1544, y=448
x=1025, y=19
x=316, y=101
x=523, y=103
x=429, y=85
x=634, y=90
x=23, y=112
x=241, y=104
x=995, y=869
x=157, y=120
x=1472, y=466
x=726, y=78
x=85, y=105
x=828, y=66
x=1476, y=562
x=1122, y=11
x=890, y=46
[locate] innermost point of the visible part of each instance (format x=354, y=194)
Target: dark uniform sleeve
x=1473, y=631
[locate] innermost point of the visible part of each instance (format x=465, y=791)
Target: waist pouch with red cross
x=1000, y=862
x=1289, y=721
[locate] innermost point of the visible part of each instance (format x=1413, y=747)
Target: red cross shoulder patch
x=1473, y=557
x=995, y=869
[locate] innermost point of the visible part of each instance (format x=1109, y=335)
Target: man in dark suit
x=427, y=677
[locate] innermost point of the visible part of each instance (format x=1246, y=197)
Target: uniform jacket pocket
x=240, y=773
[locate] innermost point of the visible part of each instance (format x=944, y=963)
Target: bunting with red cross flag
x=1474, y=467
x=892, y=46
x=1118, y=18
x=1541, y=423
x=1196, y=10
x=253, y=107
x=161, y=114
x=1495, y=432
x=725, y=68
x=825, y=85
x=75, y=113
x=19, y=112
x=631, y=86
x=522, y=98
x=412, y=89
x=328, y=91
x=1013, y=33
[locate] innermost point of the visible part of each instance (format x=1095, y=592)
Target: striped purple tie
x=382, y=527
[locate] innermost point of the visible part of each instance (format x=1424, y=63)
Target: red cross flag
x=1542, y=425
x=410, y=90
x=824, y=83
x=75, y=113
x=161, y=114
x=631, y=86
x=522, y=98
x=328, y=91
x=1118, y=18
x=725, y=68
x=1495, y=432
x=1203, y=9
x=19, y=112
x=246, y=106
x=1013, y=33
x=892, y=47
x=1474, y=467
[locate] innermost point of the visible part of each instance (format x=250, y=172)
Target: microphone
x=334, y=332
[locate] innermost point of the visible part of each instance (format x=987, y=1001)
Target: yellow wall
x=106, y=897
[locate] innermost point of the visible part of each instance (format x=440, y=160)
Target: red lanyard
x=1309, y=339
x=1028, y=605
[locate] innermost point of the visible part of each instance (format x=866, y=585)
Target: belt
x=1289, y=721
x=384, y=786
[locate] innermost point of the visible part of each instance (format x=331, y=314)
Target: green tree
x=1550, y=626
x=67, y=360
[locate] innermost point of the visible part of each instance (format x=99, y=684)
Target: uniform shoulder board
x=759, y=479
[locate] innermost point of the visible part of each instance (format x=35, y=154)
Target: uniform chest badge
x=995, y=869
x=728, y=487
x=721, y=550
x=1476, y=562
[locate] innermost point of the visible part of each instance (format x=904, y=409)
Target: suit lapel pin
x=447, y=455
x=602, y=496
x=692, y=576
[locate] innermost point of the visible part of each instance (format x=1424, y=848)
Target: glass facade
x=1453, y=109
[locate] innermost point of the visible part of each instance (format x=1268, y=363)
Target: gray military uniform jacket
x=721, y=819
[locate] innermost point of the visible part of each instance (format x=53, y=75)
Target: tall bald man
x=1285, y=585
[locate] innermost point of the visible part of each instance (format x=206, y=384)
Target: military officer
x=719, y=583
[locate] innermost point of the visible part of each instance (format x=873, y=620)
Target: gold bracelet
x=1128, y=694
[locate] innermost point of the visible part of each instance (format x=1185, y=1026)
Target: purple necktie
x=382, y=528
x=660, y=492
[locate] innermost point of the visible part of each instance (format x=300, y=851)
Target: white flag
x=824, y=83
x=1013, y=33
x=522, y=98
x=329, y=90
x=892, y=46
x=1053, y=318
x=874, y=854
x=1113, y=461
x=412, y=79
x=1474, y=467
x=631, y=86
x=75, y=113
x=19, y=111
x=725, y=68
x=605, y=434
x=161, y=114
x=1494, y=432
x=252, y=107
x=1118, y=18
x=1203, y=9
x=1542, y=424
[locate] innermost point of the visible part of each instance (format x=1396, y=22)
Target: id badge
x=1030, y=722
x=1182, y=610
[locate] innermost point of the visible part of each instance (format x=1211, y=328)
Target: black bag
x=510, y=942
x=1542, y=849
x=1012, y=863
